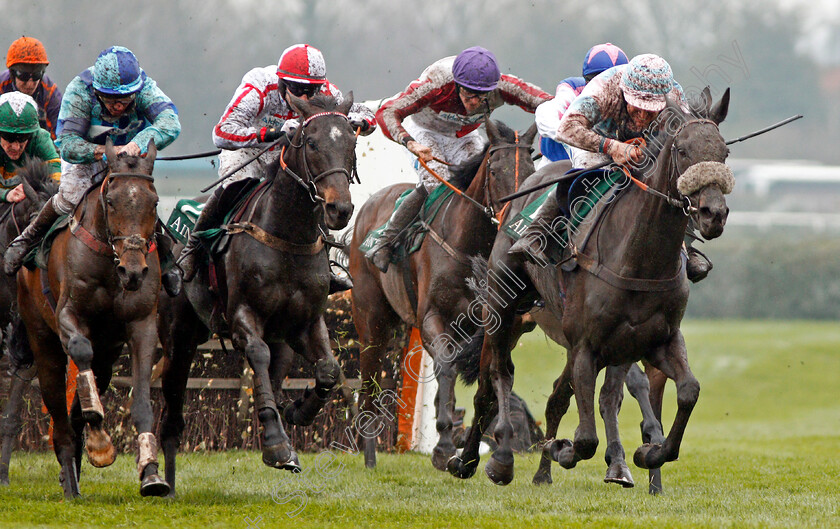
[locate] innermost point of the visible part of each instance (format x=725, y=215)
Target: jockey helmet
x=476, y=68
x=645, y=82
x=602, y=57
x=117, y=72
x=302, y=63
x=26, y=50
x=18, y=113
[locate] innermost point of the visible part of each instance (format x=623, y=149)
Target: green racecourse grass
x=761, y=450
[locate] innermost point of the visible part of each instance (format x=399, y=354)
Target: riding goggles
x=14, y=137
x=27, y=76
x=303, y=89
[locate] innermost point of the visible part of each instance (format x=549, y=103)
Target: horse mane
x=464, y=172
x=324, y=102
x=38, y=175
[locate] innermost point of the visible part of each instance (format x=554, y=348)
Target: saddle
x=586, y=191
x=411, y=239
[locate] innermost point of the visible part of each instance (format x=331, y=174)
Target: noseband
x=310, y=181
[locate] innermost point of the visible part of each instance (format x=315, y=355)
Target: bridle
x=310, y=180
x=133, y=242
x=488, y=192
x=681, y=202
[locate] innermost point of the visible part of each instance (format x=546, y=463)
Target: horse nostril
x=121, y=271
x=144, y=271
x=705, y=211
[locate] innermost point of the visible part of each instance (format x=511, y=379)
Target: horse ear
x=705, y=101
x=346, y=103
x=29, y=187
x=151, y=151
x=493, y=133
x=300, y=106
x=721, y=108
x=530, y=134
x=110, y=152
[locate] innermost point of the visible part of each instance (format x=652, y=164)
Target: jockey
x=112, y=99
x=26, y=62
x=548, y=115
x=258, y=115
x=436, y=118
x=615, y=108
x=21, y=138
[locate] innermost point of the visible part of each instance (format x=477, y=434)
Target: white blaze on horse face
x=335, y=133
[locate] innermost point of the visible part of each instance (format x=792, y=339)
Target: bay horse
x=443, y=305
x=272, y=283
x=98, y=295
x=621, y=305
x=14, y=217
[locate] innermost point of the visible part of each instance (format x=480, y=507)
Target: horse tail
x=468, y=361
x=20, y=353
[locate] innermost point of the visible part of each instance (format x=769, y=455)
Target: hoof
x=441, y=457
x=459, y=469
x=282, y=457
x=498, y=472
x=649, y=456
x=562, y=451
x=542, y=478
x=101, y=452
x=619, y=473
x=154, y=485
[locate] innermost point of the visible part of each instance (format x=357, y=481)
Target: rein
x=516, y=145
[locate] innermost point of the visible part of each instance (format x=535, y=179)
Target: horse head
x=324, y=150
x=697, y=154
x=128, y=202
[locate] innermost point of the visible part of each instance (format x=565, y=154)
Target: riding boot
x=212, y=216
x=408, y=209
x=698, y=265
x=337, y=282
x=20, y=247
x=170, y=275
x=537, y=239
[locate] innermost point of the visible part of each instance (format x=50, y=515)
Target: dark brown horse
x=273, y=282
x=14, y=217
x=103, y=280
x=444, y=306
x=623, y=303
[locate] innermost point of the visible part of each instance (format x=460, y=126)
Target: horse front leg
x=315, y=346
x=672, y=360
x=11, y=422
x=609, y=403
x=74, y=338
x=443, y=350
x=142, y=345
x=584, y=372
x=246, y=333
x=641, y=389
x=555, y=408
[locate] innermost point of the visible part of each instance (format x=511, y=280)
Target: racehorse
x=618, y=306
x=439, y=296
x=272, y=282
x=15, y=216
x=99, y=294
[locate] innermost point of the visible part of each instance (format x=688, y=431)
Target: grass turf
x=760, y=451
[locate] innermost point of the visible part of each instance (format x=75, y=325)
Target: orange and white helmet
x=302, y=63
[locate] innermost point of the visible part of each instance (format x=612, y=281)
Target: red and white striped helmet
x=302, y=63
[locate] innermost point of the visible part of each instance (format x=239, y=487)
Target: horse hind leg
x=568, y=453
x=612, y=393
x=648, y=389
x=555, y=409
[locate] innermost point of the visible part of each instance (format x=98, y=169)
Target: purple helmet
x=602, y=57
x=476, y=68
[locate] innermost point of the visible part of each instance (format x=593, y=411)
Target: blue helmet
x=602, y=57
x=117, y=72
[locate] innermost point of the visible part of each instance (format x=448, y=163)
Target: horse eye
x=311, y=143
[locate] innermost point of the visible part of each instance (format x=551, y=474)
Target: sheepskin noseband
x=703, y=174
